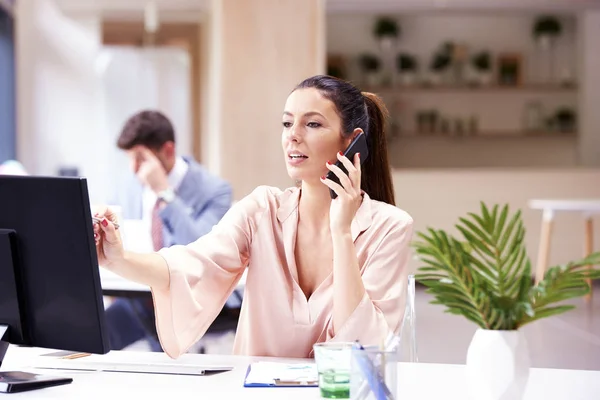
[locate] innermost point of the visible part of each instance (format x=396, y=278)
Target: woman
x=318, y=269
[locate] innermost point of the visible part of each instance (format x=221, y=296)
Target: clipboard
x=278, y=382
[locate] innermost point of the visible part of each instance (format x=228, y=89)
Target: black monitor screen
x=57, y=262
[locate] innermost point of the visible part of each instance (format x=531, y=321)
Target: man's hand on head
x=151, y=172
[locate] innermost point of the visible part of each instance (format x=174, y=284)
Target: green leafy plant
x=386, y=26
x=406, y=62
x=486, y=275
x=369, y=63
x=482, y=61
x=440, y=62
x=565, y=119
x=547, y=25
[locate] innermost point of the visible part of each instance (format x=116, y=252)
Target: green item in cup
x=334, y=385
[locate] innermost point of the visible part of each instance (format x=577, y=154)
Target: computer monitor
x=50, y=291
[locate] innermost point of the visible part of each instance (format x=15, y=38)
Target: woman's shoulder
x=389, y=215
x=264, y=198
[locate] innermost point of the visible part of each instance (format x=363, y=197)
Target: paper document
x=281, y=374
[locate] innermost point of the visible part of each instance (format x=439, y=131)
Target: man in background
x=177, y=201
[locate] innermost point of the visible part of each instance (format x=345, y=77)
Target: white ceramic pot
x=485, y=78
x=373, y=79
x=497, y=365
x=387, y=43
x=545, y=41
x=407, y=78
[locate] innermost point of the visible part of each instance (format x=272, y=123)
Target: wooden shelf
x=484, y=135
x=493, y=88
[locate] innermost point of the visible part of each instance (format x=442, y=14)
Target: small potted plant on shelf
x=565, y=120
x=387, y=31
x=546, y=28
x=439, y=64
x=486, y=277
x=483, y=66
x=370, y=65
x=406, y=64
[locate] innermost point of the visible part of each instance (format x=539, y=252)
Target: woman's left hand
x=349, y=194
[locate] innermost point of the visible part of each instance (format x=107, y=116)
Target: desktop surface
x=418, y=381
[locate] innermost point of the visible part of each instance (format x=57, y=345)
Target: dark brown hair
x=368, y=112
x=147, y=128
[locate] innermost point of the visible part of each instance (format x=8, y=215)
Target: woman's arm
x=348, y=288
x=370, y=317
x=191, y=283
x=148, y=269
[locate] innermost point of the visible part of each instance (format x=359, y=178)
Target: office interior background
x=481, y=109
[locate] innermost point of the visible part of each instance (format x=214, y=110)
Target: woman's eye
x=287, y=124
x=313, y=124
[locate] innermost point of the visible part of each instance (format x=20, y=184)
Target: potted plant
x=485, y=276
x=387, y=31
x=545, y=29
x=370, y=64
x=439, y=64
x=565, y=120
x=483, y=66
x=406, y=64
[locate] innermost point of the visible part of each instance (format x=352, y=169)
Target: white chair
x=587, y=208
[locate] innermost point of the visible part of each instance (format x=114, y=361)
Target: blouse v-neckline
x=306, y=309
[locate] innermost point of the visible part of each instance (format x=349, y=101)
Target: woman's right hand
x=109, y=245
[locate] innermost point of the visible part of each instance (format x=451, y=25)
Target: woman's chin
x=304, y=177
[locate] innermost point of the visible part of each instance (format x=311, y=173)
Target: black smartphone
x=358, y=145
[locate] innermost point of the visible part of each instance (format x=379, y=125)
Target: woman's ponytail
x=376, y=173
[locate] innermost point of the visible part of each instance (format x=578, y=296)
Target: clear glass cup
x=408, y=331
x=374, y=374
x=333, y=365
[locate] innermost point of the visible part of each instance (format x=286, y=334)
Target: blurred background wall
x=483, y=107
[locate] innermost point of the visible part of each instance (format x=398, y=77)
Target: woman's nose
x=293, y=134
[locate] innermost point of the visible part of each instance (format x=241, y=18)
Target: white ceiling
x=457, y=5
x=130, y=7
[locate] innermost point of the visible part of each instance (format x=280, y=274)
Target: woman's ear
x=349, y=140
x=356, y=132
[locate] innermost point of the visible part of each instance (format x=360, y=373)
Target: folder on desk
x=274, y=374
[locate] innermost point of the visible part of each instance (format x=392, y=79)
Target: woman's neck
x=313, y=208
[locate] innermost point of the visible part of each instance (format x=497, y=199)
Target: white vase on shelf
x=497, y=365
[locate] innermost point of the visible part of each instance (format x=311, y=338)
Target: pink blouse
x=259, y=233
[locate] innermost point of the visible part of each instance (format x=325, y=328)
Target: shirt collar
x=178, y=172
x=362, y=219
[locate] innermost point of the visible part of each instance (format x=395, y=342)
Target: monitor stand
x=10, y=328
x=17, y=381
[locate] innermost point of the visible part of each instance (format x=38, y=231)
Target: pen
x=98, y=220
x=390, y=343
x=372, y=375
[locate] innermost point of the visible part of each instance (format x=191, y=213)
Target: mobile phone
x=358, y=145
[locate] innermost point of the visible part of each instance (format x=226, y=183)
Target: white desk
x=418, y=381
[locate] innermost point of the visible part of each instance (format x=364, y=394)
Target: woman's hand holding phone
x=348, y=191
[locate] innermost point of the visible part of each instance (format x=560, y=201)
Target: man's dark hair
x=147, y=128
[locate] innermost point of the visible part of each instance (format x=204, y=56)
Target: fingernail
x=323, y=177
x=104, y=222
x=95, y=236
x=340, y=153
x=328, y=162
x=358, y=154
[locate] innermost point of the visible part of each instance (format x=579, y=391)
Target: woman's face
x=312, y=134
